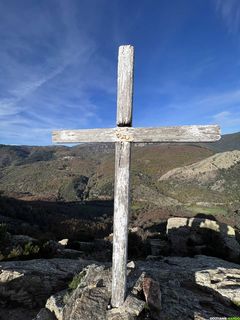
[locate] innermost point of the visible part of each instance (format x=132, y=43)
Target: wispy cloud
x=227, y=119
x=229, y=10
x=51, y=66
x=186, y=106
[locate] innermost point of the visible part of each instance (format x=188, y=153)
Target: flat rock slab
x=30, y=283
x=92, y=304
x=196, y=288
x=190, y=288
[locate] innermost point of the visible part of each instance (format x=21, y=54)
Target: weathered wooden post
x=122, y=170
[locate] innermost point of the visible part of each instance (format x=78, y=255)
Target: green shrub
x=30, y=249
x=15, y=252
x=76, y=280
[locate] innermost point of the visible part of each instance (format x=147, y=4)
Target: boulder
x=189, y=236
x=30, y=283
x=90, y=298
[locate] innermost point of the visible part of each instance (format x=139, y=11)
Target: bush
x=76, y=280
x=30, y=249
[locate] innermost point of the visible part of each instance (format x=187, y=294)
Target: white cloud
x=226, y=119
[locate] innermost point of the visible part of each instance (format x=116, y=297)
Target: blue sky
x=58, y=62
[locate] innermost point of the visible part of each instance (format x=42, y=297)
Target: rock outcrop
x=190, y=236
x=204, y=169
x=30, y=283
x=172, y=288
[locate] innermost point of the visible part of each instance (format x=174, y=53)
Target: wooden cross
x=124, y=135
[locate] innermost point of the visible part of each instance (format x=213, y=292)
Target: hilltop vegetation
x=166, y=180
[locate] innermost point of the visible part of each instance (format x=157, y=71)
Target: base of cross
x=123, y=136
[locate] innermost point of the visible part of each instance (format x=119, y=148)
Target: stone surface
x=152, y=293
x=90, y=303
x=133, y=305
x=30, y=283
x=137, y=286
x=55, y=304
x=191, y=288
x=45, y=314
x=21, y=239
x=189, y=236
x=221, y=282
x=187, y=294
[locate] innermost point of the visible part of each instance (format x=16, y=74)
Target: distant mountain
x=87, y=171
x=166, y=179
x=210, y=186
x=228, y=142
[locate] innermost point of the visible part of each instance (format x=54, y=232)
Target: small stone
x=131, y=265
x=138, y=287
x=64, y=242
x=133, y=305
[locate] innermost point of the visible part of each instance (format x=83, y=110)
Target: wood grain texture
x=125, y=85
x=194, y=133
x=120, y=223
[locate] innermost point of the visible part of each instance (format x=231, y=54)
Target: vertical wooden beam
x=125, y=86
x=120, y=225
x=122, y=177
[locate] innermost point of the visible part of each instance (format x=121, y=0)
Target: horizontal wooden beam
x=193, y=133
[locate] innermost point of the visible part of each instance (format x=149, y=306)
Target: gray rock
x=133, y=305
x=189, y=236
x=88, y=301
x=222, y=282
x=130, y=310
x=189, y=289
x=55, y=304
x=90, y=304
x=21, y=239
x=116, y=314
x=91, y=298
x=137, y=287
x=45, y=314
x=30, y=283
